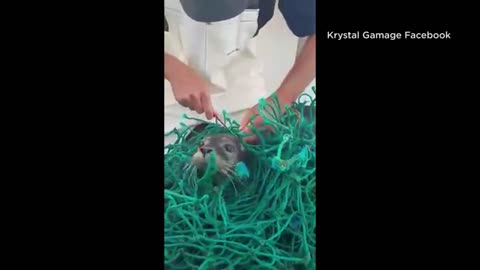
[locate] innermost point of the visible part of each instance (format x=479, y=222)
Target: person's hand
x=258, y=121
x=245, y=126
x=191, y=91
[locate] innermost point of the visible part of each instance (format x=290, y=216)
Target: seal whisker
x=227, y=172
x=230, y=171
x=233, y=182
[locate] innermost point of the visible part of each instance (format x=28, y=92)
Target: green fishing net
x=263, y=217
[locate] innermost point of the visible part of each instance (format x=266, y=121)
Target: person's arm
x=189, y=88
x=298, y=78
x=171, y=64
x=300, y=75
x=300, y=18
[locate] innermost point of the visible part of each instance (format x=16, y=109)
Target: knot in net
x=262, y=217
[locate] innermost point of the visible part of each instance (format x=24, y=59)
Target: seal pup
x=228, y=148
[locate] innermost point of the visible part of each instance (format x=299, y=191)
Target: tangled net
x=263, y=217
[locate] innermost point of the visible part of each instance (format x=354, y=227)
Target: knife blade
x=223, y=123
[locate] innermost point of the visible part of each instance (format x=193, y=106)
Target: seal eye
x=228, y=148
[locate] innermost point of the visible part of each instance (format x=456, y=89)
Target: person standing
x=211, y=59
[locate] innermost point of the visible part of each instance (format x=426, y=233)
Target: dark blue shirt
x=299, y=14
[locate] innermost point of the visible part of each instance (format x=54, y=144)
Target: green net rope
x=262, y=218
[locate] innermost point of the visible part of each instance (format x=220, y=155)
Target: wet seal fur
x=228, y=150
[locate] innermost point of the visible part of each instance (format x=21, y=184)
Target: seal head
x=228, y=151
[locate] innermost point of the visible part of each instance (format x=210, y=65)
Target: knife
x=223, y=123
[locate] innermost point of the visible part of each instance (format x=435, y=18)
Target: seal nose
x=205, y=150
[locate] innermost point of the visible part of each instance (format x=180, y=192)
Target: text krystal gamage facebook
x=389, y=36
